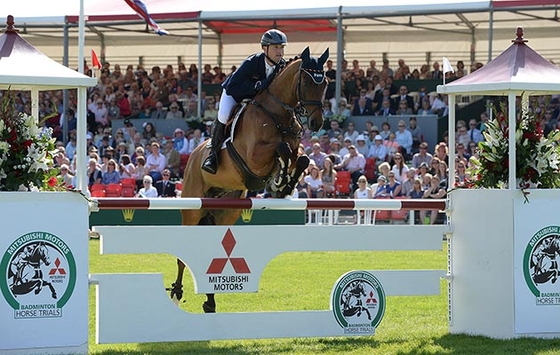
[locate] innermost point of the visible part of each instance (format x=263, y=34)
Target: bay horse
x=262, y=150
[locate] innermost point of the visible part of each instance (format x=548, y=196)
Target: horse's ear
x=324, y=56
x=305, y=54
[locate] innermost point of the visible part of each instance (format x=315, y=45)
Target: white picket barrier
x=231, y=259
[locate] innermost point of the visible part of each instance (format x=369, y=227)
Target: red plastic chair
x=97, y=187
x=369, y=170
x=342, y=184
x=128, y=182
x=113, y=190
x=98, y=193
x=183, y=163
x=128, y=191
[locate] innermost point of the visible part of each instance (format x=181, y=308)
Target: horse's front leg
x=176, y=290
x=281, y=178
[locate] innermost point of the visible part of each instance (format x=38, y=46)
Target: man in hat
x=335, y=151
x=378, y=151
x=255, y=74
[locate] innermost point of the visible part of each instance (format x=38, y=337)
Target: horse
x=352, y=300
x=26, y=273
x=543, y=261
x=262, y=150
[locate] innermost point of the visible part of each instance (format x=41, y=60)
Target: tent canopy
x=369, y=29
x=519, y=69
x=22, y=67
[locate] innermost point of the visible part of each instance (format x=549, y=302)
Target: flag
x=140, y=8
x=447, y=66
x=95, y=61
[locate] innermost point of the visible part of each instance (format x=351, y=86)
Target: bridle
x=300, y=110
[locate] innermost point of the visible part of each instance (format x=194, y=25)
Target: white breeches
x=227, y=103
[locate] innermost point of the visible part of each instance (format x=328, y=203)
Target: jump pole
x=265, y=204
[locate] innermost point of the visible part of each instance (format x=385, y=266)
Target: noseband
x=299, y=110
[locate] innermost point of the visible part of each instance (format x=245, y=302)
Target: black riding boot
x=210, y=165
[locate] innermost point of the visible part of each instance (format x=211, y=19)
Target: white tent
x=518, y=71
x=416, y=30
x=22, y=67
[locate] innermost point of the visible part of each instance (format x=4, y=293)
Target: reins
x=295, y=126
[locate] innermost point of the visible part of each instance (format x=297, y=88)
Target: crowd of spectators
x=399, y=156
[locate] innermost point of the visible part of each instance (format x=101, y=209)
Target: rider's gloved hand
x=262, y=84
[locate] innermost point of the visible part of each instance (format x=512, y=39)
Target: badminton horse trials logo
x=540, y=266
x=37, y=275
x=358, y=302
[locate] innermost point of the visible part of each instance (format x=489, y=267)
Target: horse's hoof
x=208, y=308
x=176, y=292
x=54, y=295
x=37, y=290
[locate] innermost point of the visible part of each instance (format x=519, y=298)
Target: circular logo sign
x=358, y=302
x=540, y=265
x=37, y=275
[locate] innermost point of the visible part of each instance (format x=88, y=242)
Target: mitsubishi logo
x=371, y=298
x=57, y=268
x=218, y=264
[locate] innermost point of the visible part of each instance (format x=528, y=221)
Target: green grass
x=303, y=281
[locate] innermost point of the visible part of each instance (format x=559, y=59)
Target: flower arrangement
x=26, y=151
x=537, y=156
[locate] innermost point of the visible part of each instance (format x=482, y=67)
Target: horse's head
x=310, y=88
x=41, y=253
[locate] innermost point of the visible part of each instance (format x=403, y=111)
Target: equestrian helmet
x=272, y=37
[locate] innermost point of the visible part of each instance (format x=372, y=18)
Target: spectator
x=436, y=74
x=378, y=151
x=385, y=109
x=351, y=132
x=335, y=130
x=392, y=145
x=461, y=154
x=403, y=109
x=385, y=130
x=441, y=152
x=65, y=176
x=361, y=146
x=362, y=107
x=113, y=111
x=180, y=142
x=126, y=167
x=174, y=111
x=317, y=155
x=353, y=162
x=434, y=191
x=328, y=177
x=404, y=96
x=381, y=188
x=156, y=162
x=416, y=133
x=399, y=168
x=158, y=113
x=314, y=182
x=111, y=176
x=94, y=173
x=426, y=108
x=165, y=187
x=393, y=187
x=407, y=185
x=363, y=191
x=434, y=166
x=148, y=190
x=422, y=156
x=474, y=133
x=172, y=157
x=404, y=139
x=149, y=132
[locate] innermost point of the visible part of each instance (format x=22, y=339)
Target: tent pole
x=199, y=83
x=451, y=142
x=511, y=138
x=65, y=91
x=81, y=164
x=490, y=34
x=339, y=58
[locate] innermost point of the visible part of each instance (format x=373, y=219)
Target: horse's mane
x=289, y=62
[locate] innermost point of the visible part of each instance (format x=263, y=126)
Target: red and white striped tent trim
x=266, y=204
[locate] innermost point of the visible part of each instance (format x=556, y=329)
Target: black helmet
x=273, y=36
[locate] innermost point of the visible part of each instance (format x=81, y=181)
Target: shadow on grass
x=446, y=344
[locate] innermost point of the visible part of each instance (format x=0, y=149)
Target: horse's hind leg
x=209, y=306
x=51, y=287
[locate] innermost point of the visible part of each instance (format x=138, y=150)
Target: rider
x=19, y=261
x=252, y=76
